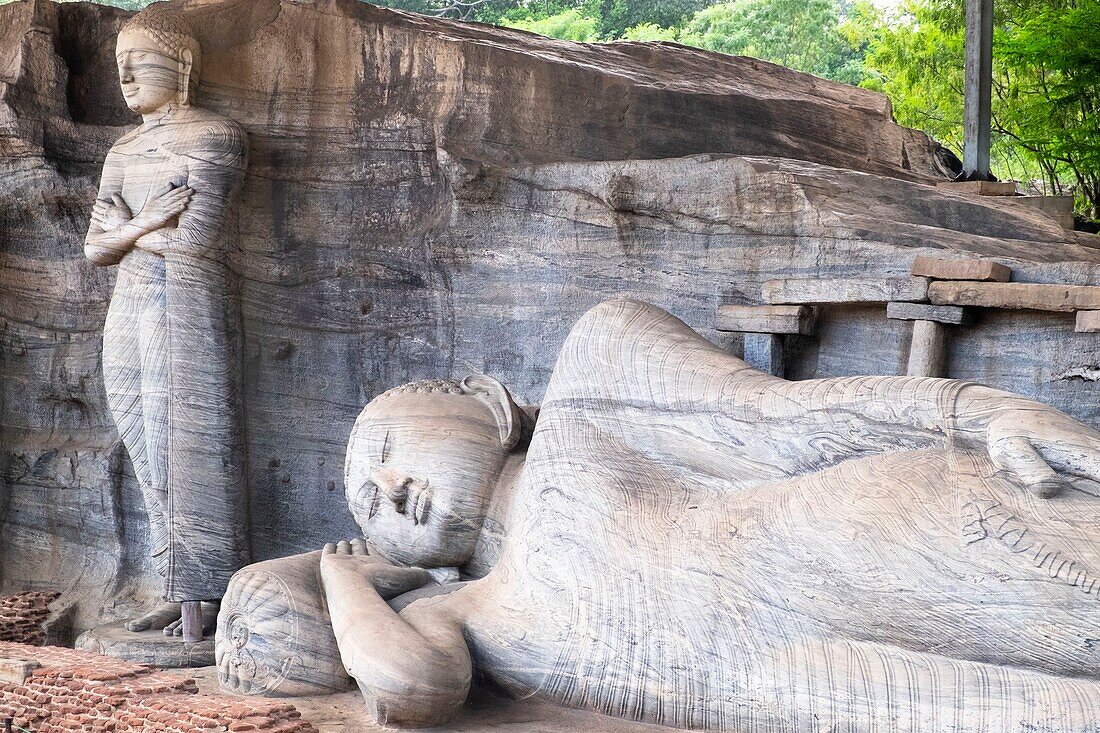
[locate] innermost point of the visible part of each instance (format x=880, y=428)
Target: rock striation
x=427, y=199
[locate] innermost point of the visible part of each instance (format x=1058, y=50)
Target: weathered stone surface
x=146, y=647
x=487, y=711
x=958, y=269
x=766, y=319
x=951, y=314
x=764, y=351
x=926, y=349
x=1088, y=321
x=846, y=290
x=16, y=671
x=1062, y=298
x=427, y=199
x=1059, y=208
x=666, y=484
x=165, y=215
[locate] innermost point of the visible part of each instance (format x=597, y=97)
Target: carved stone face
x=421, y=471
x=150, y=78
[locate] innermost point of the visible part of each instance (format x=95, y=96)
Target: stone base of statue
x=147, y=647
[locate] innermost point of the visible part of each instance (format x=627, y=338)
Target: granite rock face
x=428, y=199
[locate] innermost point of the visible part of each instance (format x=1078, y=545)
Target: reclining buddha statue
x=691, y=542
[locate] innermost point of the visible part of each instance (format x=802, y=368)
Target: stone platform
x=484, y=713
x=147, y=647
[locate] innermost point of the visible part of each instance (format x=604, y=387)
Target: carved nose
x=394, y=485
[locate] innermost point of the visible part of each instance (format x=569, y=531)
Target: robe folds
x=171, y=354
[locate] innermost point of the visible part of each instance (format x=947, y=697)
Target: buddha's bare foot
x=158, y=618
x=209, y=620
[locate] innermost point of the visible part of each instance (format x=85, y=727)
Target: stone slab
x=147, y=647
x=951, y=314
x=1022, y=296
x=766, y=319
x=981, y=188
x=16, y=671
x=937, y=268
x=847, y=290
x=1059, y=208
x=1088, y=321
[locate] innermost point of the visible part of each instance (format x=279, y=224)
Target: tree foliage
x=1046, y=85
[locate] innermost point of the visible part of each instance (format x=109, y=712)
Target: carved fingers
x=111, y=214
x=165, y=204
x=348, y=564
x=1045, y=450
x=1015, y=455
x=356, y=548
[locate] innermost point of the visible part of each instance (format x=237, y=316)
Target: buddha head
x=423, y=462
x=158, y=59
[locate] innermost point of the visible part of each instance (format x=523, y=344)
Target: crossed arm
x=115, y=230
x=197, y=205
x=413, y=668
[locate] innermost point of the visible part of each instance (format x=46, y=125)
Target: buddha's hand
x=164, y=205
x=1037, y=446
x=111, y=214
x=343, y=560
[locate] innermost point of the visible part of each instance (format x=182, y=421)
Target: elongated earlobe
x=497, y=398
x=185, y=65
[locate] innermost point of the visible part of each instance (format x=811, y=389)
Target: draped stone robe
x=170, y=353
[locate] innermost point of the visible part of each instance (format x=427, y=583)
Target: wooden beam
x=1088, y=321
x=959, y=269
x=846, y=290
x=950, y=314
x=1026, y=296
x=766, y=319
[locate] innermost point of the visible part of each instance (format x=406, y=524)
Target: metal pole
x=979, y=88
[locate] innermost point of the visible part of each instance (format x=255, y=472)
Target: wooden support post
x=764, y=351
x=192, y=621
x=927, y=350
x=978, y=87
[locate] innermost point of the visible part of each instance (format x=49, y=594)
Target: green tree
x=616, y=16
x=1046, y=86
x=569, y=25
x=651, y=32
x=800, y=34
